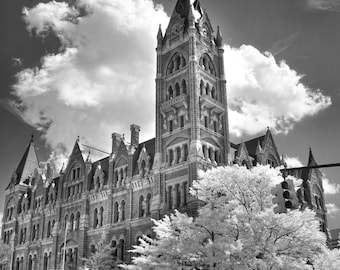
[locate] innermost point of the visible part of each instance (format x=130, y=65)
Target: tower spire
x=28, y=163
x=219, y=39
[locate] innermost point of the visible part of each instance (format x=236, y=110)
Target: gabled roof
x=104, y=163
x=311, y=162
x=150, y=148
x=27, y=165
x=251, y=145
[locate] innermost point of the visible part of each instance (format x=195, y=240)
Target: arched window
x=177, y=89
x=177, y=62
x=78, y=221
x=178, y=196
x=170, y=197
x=30, y=262
x=95, y=218
x=185, y=187
x=37, y=235
x=48, y=229
x=170, y=92
x=114, y=246
x=93, y=249
x=121, y=249
x=121, y=176
x=184, y=63
x=101, y=216
x=140, y=206
x=123, y=210
x=116, y=212
x=45, y=261
x=116, y=179
x=213, y=93
x=72, y=222
x=184, y=87
x=201, y=87
x=142, y=169
x=207, y=89
x=148, y=204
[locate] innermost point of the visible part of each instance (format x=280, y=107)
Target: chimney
x=135, y=129
x=116, y=140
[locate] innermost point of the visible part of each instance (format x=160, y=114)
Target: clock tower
x=191, y=103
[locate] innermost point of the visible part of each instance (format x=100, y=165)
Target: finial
x=32, y=137
x=78, y=139
x=219, y=39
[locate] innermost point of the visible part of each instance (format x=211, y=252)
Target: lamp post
x=65, y=238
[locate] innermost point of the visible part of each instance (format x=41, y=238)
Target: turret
x=219, y=39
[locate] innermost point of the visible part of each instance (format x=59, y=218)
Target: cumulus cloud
x=329, y=187
x=262, y=93
x=323, y=5
x=293, y=162
x=101, y=80
x=332, y=208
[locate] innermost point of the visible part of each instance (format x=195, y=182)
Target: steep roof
x=27, y=165
x=251, y=145
x=311, y=162
x=150, y=148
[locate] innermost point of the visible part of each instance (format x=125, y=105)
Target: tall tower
x=191, y=103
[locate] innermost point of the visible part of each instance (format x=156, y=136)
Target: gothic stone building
x=117, y=196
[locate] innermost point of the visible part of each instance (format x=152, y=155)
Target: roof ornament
x=32, y=138
x=62, y=169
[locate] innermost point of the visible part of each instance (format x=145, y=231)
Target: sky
x=87, y=68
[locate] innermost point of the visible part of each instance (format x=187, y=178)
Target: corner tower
x=191, y=104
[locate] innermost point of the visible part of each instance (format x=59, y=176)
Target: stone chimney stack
x=135, y=129
x=116, y=140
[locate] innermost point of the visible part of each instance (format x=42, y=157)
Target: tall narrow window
x=185, y=152
x=177, y=89
x=215, y=126
x=170, y=197
x=170, y=93
x=178, y=196
x=78, y=221
x=206, y=121
x=171, y=125
x=171, y=156
x=178, y=154
x=121, y=249
x=181, y=121
x=78, y=172
x=48, y=229
x=185, y=187
x=95, y=218
x=72, y=222
x=116, y=212
x=101, y=216
x=140, y=208
x=184, y=87
x=114, y=247
x=148, y=205
x=123, y=210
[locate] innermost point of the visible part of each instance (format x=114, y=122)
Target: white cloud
x=102, y=80
x=323, y=5
x=332, y=208
x=262, y=93
x=330, y=188
x=293, y=162
x=1, y=216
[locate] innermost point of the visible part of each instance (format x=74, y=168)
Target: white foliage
x=235, y=229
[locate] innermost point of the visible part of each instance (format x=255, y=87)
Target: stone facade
x=117, y=196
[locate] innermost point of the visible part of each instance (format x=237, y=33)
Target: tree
x=327, y=260
x=103, y=257
x=5, y=254
x=235, y=229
